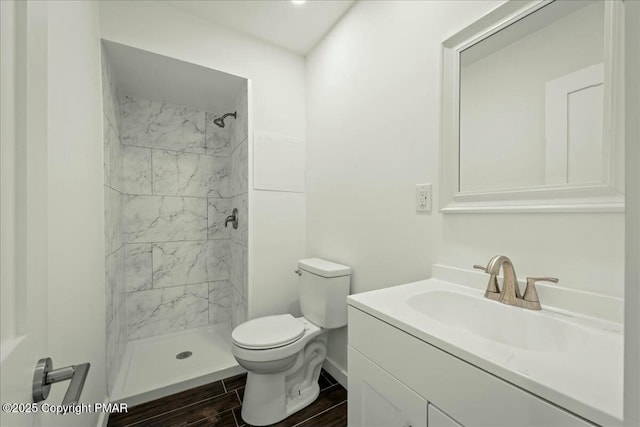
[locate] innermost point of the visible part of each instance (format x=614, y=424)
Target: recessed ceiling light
x=298, y=1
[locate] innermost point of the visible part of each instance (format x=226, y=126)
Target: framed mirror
x=532, y=110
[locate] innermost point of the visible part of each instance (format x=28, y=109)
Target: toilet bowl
x=284, y=378
x=284, y=354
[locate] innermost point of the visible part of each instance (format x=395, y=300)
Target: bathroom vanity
x=439, y=354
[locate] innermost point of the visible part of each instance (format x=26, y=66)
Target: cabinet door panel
x=377, y=399
x=437, y=418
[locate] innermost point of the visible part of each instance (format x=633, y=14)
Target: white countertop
x=586, y=380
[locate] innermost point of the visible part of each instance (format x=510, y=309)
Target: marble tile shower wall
x=177, y=178
x=116, y=316
x=238, y=192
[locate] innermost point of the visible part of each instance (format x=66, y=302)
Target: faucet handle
x=530, y=293
x=492, y=286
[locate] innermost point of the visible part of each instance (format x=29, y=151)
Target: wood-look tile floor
x=220, y=403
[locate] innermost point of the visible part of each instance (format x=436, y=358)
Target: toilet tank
x=324, y=287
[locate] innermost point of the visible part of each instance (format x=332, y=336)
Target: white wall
x=373, y=112
x=277, y=104
x=632, y=276
x=373, y=101
x=76, y=292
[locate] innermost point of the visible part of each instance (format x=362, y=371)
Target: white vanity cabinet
x=377, y=399
x=396, y=379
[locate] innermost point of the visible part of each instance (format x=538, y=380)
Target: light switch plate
x=424, y=197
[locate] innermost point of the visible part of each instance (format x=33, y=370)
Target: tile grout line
x=160, y=242
x=151, y=168
x=208, y=285
x=171, y=150
x=117, y=191
x=115, y=250
x=178, y=286
x=319, y=413
x=223, y=412
x=186, y=196
x=233, y=412
x=177, y=409
x=234, y=415
x=152, y=270
x=115, y=128
x=331, y=381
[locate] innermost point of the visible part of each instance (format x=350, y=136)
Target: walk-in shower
x=176, y=276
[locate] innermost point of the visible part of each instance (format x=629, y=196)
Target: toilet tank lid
x=324, y=268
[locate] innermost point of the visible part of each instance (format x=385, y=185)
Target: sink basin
x=562, y=356
x=491, y=320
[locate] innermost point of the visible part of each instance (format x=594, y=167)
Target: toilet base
x=264, y=399
x=262, y=405
x=270, y=398
x=304, y=399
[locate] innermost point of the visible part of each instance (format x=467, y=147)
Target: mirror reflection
x=531, y=101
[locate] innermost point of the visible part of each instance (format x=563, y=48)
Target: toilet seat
x=268, y=332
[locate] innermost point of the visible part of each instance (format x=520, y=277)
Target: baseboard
x=336, y=372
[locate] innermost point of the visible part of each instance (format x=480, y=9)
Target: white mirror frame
x=605, y=197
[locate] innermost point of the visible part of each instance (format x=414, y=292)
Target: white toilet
x=284, y=354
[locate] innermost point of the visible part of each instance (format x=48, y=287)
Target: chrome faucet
x=510, y=293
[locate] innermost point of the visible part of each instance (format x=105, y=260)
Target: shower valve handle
x=233, y=219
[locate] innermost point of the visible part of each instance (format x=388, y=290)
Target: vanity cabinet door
x=437, y=418
x=377, y=399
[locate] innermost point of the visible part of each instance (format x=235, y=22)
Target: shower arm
x=220, y=120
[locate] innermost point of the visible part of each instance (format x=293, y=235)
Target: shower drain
x=183, y=355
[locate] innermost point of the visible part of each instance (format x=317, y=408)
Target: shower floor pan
x=151, y=370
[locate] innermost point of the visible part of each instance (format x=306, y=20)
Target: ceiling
x=159, y=78
x=295, y=27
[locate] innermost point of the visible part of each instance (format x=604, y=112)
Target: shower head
x=220, y=120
